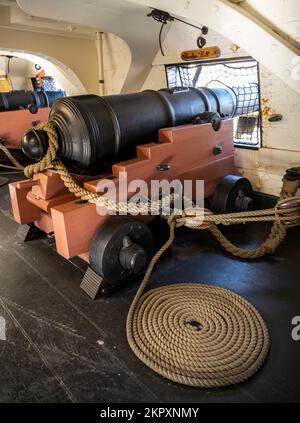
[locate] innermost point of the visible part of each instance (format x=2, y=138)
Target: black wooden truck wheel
x=233, y=194
x=121, y=249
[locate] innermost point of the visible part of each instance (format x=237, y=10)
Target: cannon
x=172, y=134
x=96, y=132
x=20, y=110
x=31, y=100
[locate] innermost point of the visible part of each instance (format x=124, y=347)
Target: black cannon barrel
x=95, y=132
x=21, y=99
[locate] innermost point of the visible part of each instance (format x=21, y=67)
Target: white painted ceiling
x=244, y=22
x=124, y=18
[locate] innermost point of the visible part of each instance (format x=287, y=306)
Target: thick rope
x=48, y=159
x=275, y=238
x=17, y=165
x=197, y=335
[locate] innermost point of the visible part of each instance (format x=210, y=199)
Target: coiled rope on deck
x=197, y=335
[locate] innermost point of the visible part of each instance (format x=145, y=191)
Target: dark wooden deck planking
x=61, y=346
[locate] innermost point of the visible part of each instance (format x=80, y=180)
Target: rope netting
x=242, y=77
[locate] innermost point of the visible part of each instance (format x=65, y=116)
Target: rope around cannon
x=193, y=334
x=207, y=220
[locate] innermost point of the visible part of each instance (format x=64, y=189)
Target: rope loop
x=48, y=160
x=197, y=218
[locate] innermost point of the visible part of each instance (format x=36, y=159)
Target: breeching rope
x=17, y=165
x=197, y=335
x=192, y=218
